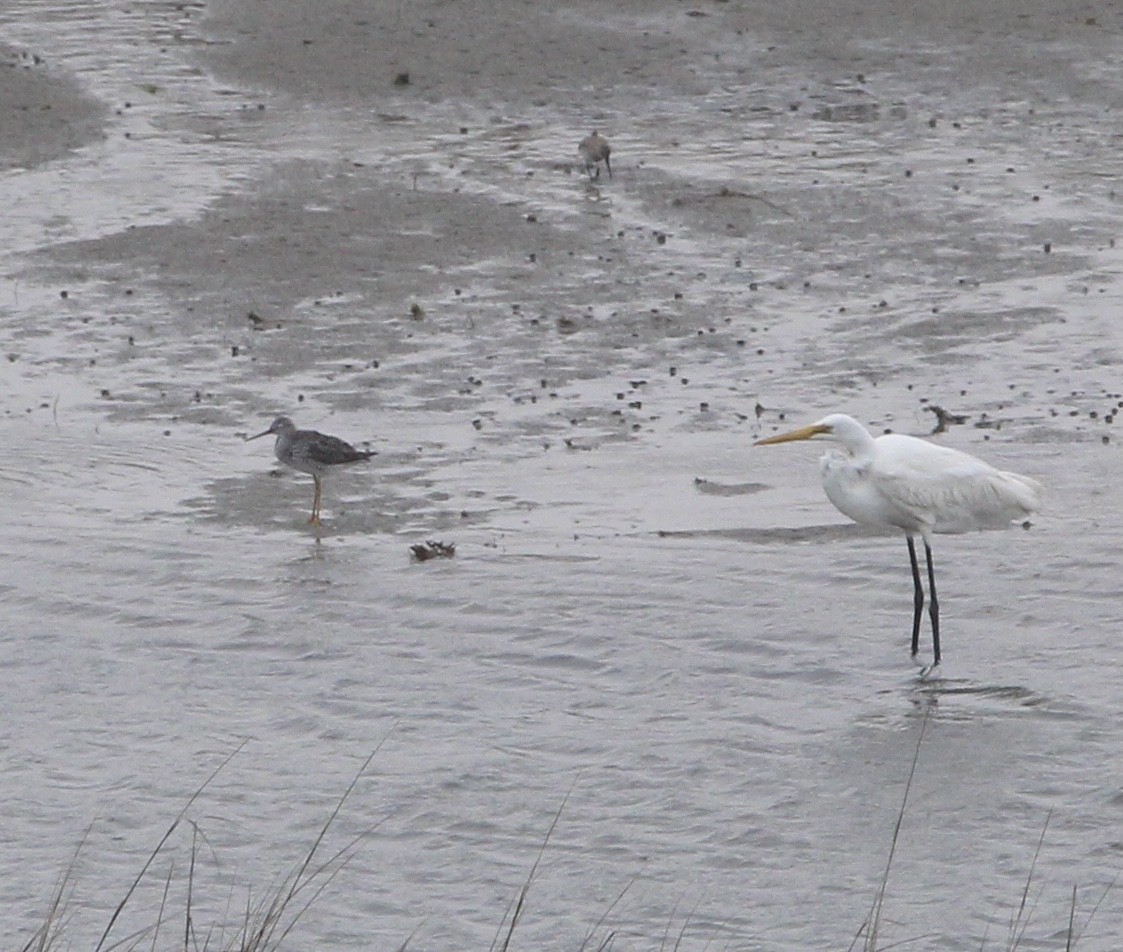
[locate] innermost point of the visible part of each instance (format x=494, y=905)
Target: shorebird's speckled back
x=311, y=452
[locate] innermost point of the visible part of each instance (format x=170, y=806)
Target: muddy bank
x=44, y=113
x=588, y=56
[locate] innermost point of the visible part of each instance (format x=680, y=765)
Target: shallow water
x=670, y=633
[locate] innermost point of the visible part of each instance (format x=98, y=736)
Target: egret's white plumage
x=918, y=487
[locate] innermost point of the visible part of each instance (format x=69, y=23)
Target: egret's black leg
x=933, y=605
x=917, y=595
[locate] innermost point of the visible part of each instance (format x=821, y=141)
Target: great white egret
x=594, y=149
x=311, y=452
x=905, y=483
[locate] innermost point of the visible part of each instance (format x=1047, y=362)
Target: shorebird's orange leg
x=315, y=519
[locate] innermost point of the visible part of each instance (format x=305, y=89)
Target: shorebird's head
x=280, y=425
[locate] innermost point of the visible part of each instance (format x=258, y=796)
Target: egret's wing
x=950, y=491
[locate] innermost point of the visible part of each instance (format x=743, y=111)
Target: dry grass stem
x=872, y=926
x=267, y=924
x=264, y=925
x=607, y=941
x=1022, y=917
x=519, y=901
x=159, y=846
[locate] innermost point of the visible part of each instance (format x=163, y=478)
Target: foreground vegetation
x=263, y=925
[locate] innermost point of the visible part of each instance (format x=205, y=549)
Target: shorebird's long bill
x=258, y=436
x=803, y=433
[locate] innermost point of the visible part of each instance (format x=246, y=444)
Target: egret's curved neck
x=854, y=437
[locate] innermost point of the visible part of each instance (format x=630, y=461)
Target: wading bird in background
x=901, y=482
x=311, y=452
x=594, y=150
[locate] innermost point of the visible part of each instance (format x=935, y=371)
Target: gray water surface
x=669, y=632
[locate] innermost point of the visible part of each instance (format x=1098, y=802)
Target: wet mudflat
x=879, y=212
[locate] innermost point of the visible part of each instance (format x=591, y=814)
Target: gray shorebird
x=311, y=452
x=594, y=150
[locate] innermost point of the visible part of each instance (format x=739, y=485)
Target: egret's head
x=822, y=428
x=280, y=425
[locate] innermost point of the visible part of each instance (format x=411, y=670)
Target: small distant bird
x=594, y=150
x=901, y=482
x=311, y=452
